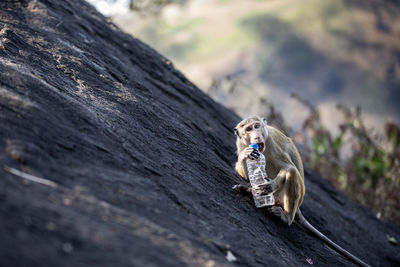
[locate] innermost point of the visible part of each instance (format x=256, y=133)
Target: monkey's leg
x=288, y=186
x=243, y=188
x=292, y=193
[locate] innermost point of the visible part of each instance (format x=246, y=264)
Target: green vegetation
x=151, y=6
x=187, y=25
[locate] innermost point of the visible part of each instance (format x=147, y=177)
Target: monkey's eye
x=257, y=125
x=248, y=129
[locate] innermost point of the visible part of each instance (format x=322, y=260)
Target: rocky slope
x=132, y=164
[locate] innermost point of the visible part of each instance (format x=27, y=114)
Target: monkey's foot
x=242, y=188
x=279, y=213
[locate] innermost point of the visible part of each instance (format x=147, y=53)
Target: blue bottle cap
x=254, y=146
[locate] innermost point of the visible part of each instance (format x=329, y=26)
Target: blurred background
x=327, y=73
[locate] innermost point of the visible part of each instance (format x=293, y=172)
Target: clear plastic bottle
x=258, y=177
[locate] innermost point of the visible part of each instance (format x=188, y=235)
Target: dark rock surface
x=142, y=160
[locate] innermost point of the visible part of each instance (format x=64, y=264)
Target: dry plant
x=371, y=174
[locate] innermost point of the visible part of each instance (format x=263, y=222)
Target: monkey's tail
x=306, y=225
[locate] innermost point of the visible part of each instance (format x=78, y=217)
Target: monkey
x=284, y=170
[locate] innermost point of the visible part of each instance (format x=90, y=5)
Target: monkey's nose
x=257, y=139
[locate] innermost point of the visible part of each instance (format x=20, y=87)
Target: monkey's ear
x=264, y=120
x=235, y=130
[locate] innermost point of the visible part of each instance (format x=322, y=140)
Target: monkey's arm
x=241, y=169
x=246, y=188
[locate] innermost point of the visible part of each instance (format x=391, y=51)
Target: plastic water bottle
x=258, y=177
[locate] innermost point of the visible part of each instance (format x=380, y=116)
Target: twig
x=30, y=177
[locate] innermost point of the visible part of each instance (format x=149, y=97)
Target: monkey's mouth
x=260, y=147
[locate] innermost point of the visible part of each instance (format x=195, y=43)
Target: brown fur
x=283, y=164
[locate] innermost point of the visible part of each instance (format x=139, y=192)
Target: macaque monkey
x=285, y=173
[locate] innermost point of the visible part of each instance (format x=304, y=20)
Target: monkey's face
x=253, y=133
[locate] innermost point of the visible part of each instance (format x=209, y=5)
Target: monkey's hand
x=267, y=188
x=250, y=153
